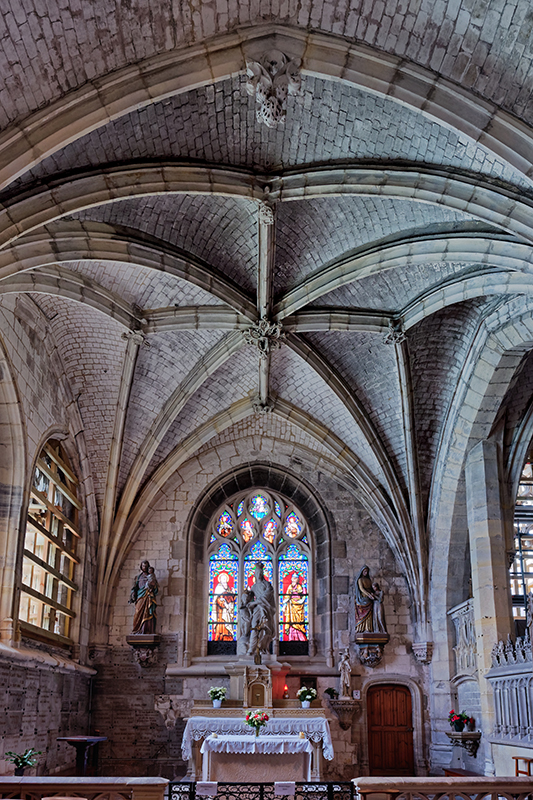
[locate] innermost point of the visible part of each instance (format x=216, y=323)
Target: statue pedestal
x=145, y=646
x=371, y=647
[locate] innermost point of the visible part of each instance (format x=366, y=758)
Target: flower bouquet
x=305, y=696
x=256, y=720
x=217, y=695
x=458, y=720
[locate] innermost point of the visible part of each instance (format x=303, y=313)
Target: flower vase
x=217, y=703
x=19, y=771
x=458, y=726
x=257, y=731
x=305, y=703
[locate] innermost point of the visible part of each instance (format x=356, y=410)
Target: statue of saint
x=263, y=609
x=345, y=669
x=364, y=602
x=378, y=612
x=143, y=594
x=245, y=619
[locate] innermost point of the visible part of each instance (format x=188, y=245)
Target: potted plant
x=458, y=720
x=23, y=760
x=332, y=693
x=217, y=695
x=305, y=696
x=256, y=720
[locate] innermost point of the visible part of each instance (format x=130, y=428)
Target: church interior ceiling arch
x=360, y=276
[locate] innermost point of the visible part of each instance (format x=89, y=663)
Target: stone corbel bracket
x=370, y=647
x=469, y=740
x=271, y=80
x=145, y=647
x=423, y=652
x=344, y=709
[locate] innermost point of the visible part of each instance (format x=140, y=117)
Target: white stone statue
x=345, y=669
x=263, y=609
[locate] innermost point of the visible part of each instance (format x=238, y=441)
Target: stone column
x=490, y=574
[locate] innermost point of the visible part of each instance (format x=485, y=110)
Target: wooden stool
x=526, y=770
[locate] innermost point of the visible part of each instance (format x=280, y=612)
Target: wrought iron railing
x=265, y=791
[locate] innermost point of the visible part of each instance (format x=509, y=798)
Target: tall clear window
x=521, y=571
x=50, y=543
x=258, y=526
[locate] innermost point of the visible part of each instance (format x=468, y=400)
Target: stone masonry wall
x=39, y=705
x=125, y=693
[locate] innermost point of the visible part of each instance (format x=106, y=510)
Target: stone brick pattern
x=139, y=731
x=488, y=51
x=38, y=706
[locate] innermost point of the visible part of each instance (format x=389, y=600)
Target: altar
x=255, y=759
x=284, y=725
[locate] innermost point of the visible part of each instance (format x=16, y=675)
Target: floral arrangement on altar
x=459, y=719
x=217, y=693
x=256, y=720
x=305, y=693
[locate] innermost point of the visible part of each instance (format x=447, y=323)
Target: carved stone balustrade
x=511, y=678
x=91, y=788
x=424, y=788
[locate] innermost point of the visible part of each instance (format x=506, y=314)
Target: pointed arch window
x=258, y=526
x=50, y=543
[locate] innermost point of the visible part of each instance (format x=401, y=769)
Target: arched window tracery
x=521, y=570
x=253, y=526
x=50, y=544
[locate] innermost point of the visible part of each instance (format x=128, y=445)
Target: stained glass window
x=259, y=506
x=225, y=524
x=293, y=526
x=223, y=593
x=293, y=596
x=269, y=531
x=258, y=526
x=247, y=529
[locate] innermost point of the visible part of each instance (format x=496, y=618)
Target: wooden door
x=390, y=730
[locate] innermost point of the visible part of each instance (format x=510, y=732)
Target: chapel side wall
x=39, y=705
x=125, y=693
x=42, y=702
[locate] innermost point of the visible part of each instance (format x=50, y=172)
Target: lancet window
x=259, y=526
x=521, y=572
x=50, y=544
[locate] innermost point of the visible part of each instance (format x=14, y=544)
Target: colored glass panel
x=277, y=508
x=257, y=552
x=212, y=539
x=259, y=506
x=293, y=596
x=223, y=591
x=240, y=508
x=225, y=524
x=293, y=526
x=247, y=529
x=269, y=531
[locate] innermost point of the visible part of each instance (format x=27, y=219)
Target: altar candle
x=301, y=735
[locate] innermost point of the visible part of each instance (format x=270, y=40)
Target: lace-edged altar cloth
x=315, y=729
x=266, y=745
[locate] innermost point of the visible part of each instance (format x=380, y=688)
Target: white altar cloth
x=257, y=744
x=256, y=758
x=316, y=730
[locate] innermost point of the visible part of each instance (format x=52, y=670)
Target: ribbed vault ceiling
x=192, y=266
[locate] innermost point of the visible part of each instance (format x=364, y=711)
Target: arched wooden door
x=390, y=730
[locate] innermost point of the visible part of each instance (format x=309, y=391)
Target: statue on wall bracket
x=143, y=639
x=370, y=628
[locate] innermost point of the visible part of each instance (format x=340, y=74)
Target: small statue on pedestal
x=345, y=669
x=263, y=611
x=143, y=594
